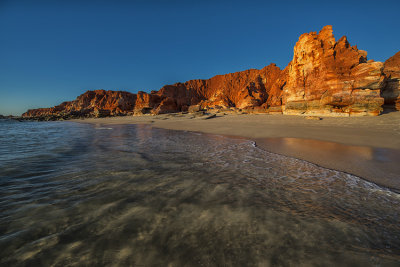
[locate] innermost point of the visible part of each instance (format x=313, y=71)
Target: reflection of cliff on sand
x=330, y=148
x=378, y=165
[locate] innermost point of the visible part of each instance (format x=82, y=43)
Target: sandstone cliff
x=325, y=77
x=332, y=78
x=97, y=102
x=391, y=90
x=245, y=89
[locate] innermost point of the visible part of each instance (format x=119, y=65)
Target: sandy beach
x=368, y=147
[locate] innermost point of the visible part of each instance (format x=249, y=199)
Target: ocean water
x=90, y=195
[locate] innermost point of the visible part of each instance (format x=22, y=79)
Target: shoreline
x=368, y=147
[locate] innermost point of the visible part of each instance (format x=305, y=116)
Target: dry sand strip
x=368, y=147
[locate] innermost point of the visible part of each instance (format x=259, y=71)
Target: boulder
x=313, y=118
x=210, y=116
x=194, y=108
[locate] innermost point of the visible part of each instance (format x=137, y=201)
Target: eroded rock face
x=327, y=77
x=145, y=101
x=242, y=89
x=391, y=90
x=167, y=105
x=245, y=89
x=96, y=103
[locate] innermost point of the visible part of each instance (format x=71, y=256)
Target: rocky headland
x=325, y=78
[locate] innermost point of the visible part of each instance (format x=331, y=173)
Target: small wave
x=152, y=188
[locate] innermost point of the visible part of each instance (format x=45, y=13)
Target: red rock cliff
x=245, y=89
x=325, y=77
x=391, y=90
x=329, y=77
x=91, y=102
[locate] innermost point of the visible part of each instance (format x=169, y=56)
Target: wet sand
x=368, y=147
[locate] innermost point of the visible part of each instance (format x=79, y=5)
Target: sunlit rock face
x=244, y=89
x=91, y=102
x=167, y=105
x=325, y=77
x=146, y=102
x=391, y=90
x=329, y=77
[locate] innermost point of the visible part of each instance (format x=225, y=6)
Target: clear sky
x=52, y=51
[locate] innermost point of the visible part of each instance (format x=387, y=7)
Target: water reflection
x=135, y=195
x=334, y=150
x=375, y=164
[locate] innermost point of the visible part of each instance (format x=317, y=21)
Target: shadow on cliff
x=388, y=109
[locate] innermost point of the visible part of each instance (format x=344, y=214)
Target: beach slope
x=368, y=147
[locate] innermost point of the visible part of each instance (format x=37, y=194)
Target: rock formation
x=325, y=77
x=391, y=91
x=244, y=89
x=97, y=103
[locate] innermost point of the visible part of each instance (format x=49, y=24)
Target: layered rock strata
x=325, y=77
x=92, y=103
x=391, y=90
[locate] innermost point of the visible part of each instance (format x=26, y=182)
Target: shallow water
x=378, y=165
x=76, y=194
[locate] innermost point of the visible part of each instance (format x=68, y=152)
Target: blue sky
x=52, y=51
